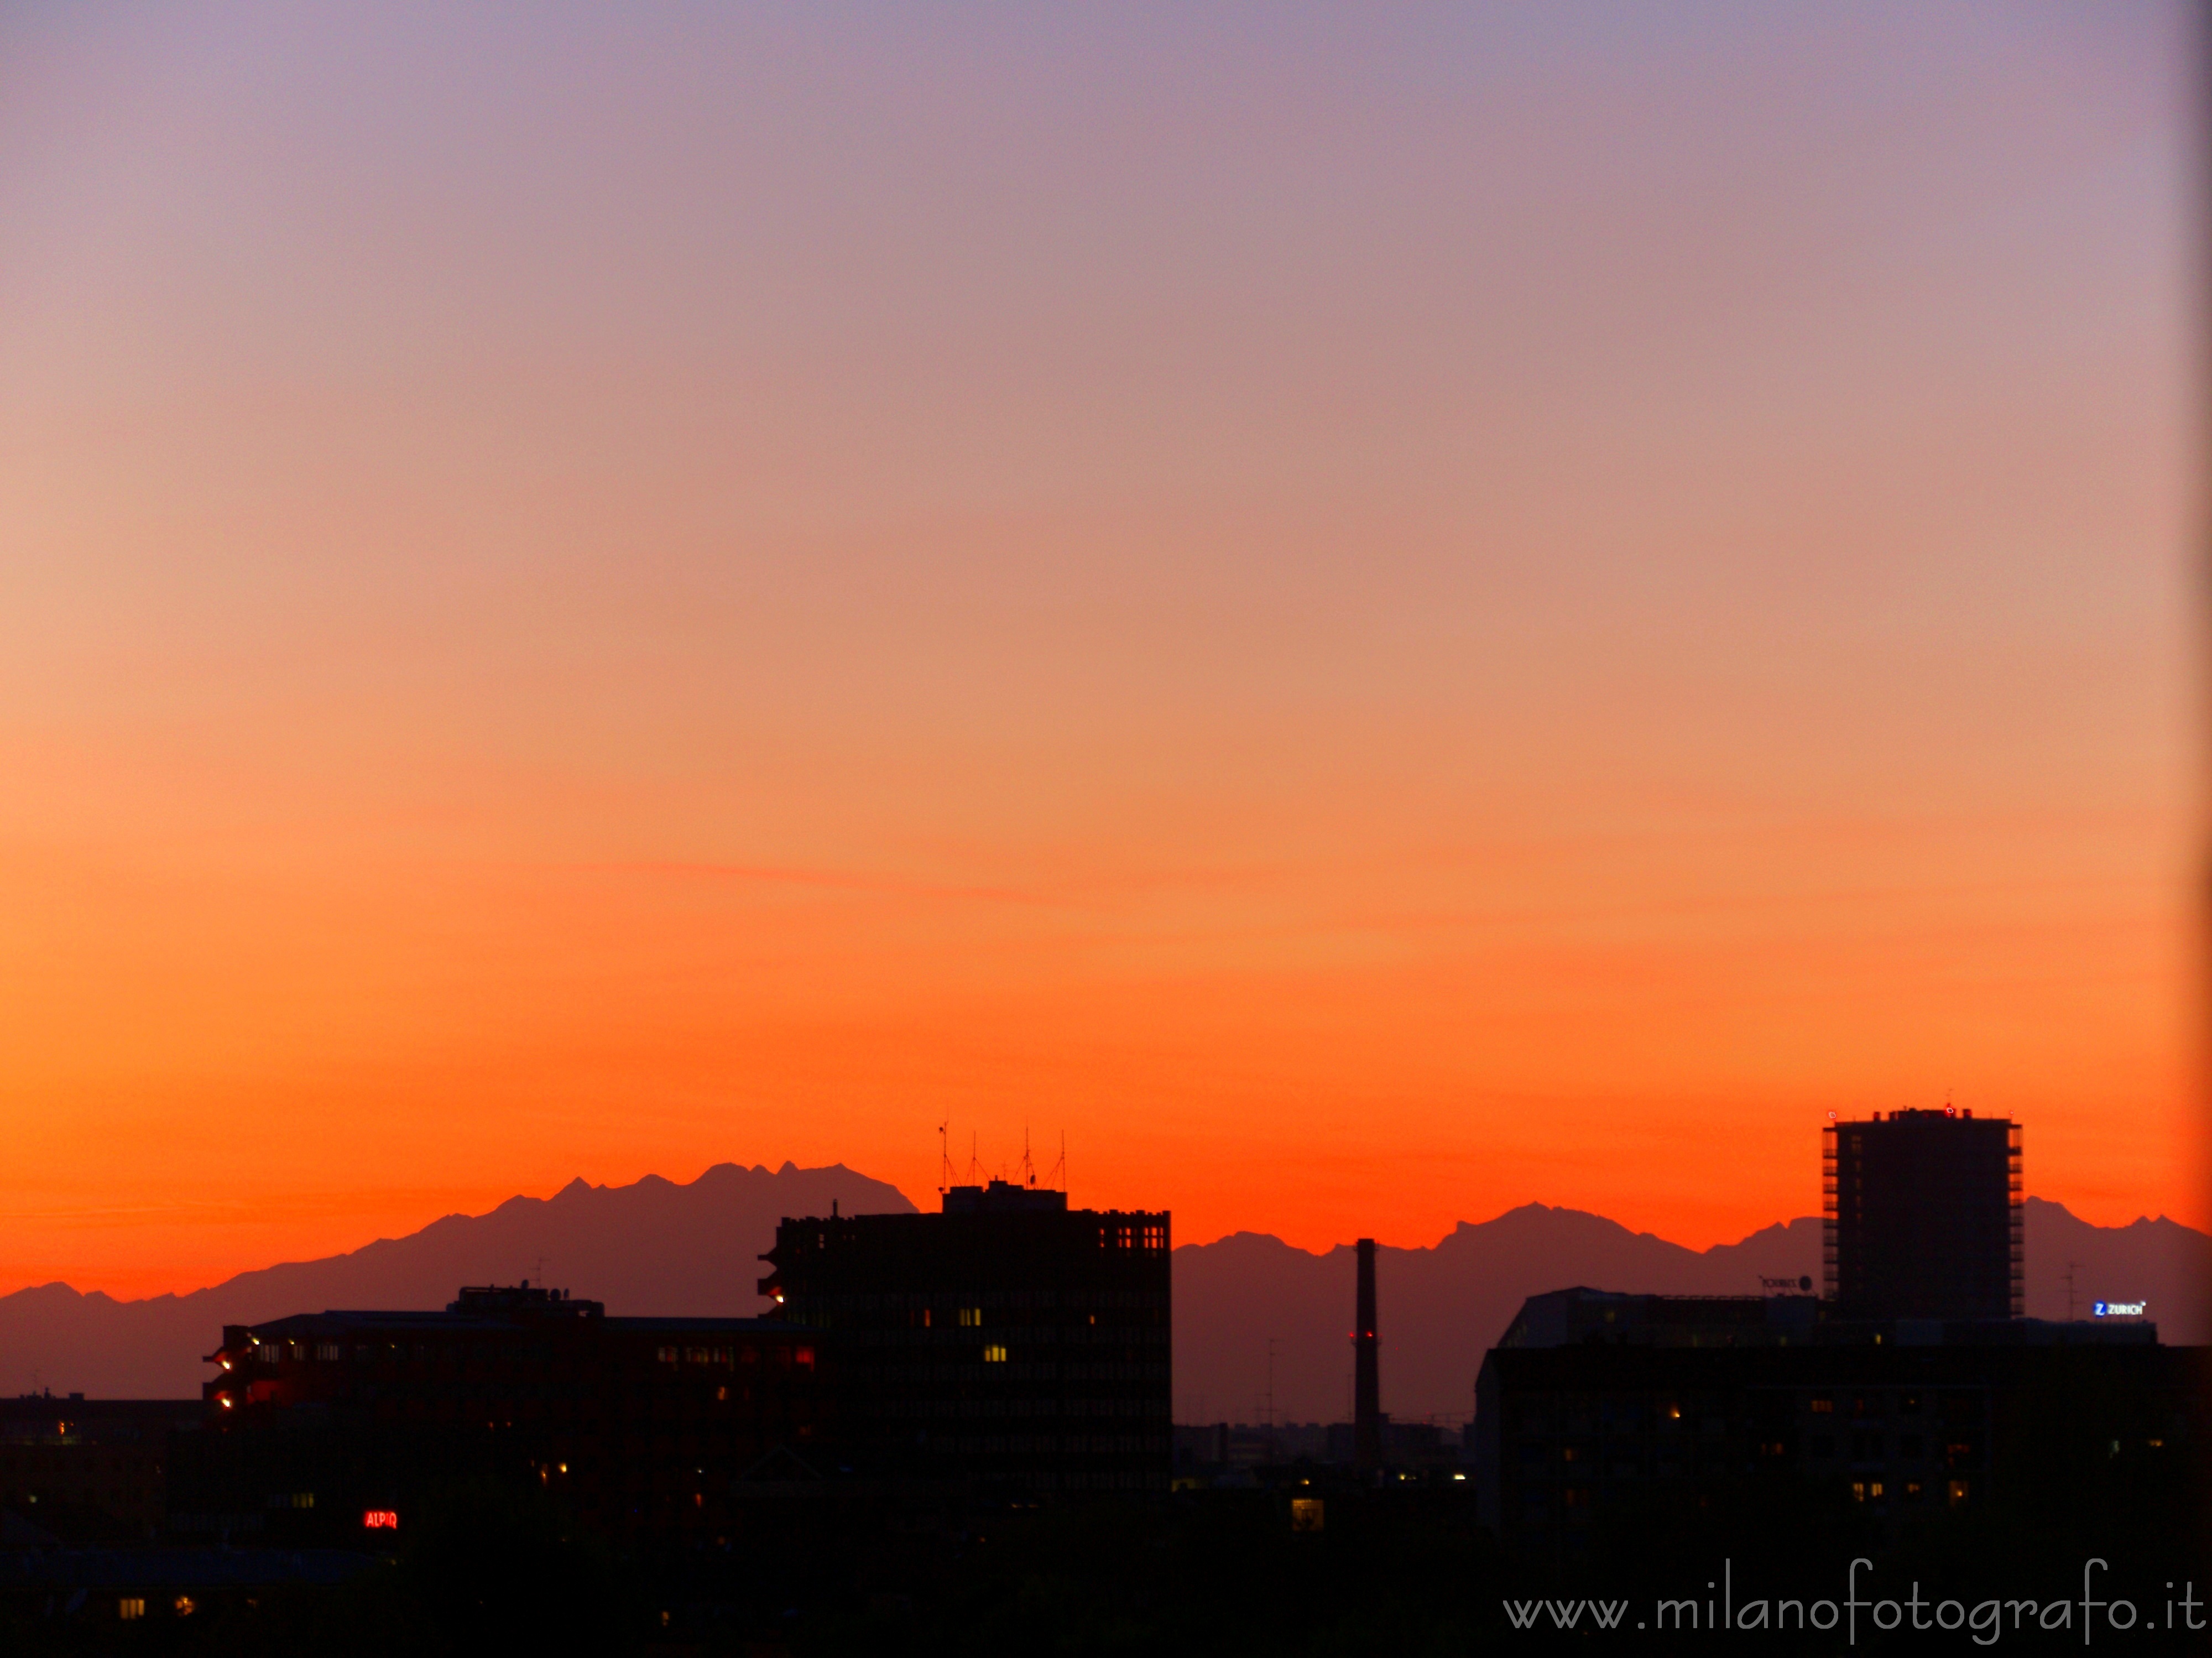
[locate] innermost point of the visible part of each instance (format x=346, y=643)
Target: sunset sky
x=1374, y=612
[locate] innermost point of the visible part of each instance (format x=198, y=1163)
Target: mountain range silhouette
x=1440, y=1307
x=657, y=1246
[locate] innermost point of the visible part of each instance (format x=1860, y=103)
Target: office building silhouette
x=1923, y=1216
x=1008, y=1341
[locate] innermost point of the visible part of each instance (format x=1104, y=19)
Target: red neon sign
x=381, y=1519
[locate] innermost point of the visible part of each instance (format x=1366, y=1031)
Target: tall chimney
x=1366, y=1372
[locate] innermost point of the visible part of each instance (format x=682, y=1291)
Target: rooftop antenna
x=974, y=1167
x=943, y=1157
x=1058, y=1178
x=1029, y=1168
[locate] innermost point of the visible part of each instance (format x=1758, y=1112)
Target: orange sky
x=1377, y=617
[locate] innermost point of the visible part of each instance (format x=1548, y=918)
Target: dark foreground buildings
x=1913, y=1388
x=1630, y=1412
x=1008, y=1341
x=1007, y=1345
x=330, y=1426
x=89, y=1469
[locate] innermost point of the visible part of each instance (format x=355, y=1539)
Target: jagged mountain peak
x=655, y=1246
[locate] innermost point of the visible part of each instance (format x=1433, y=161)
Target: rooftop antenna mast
x=943, y=1157
x=1029, y=1168
x=974, y=1167
x=1057, y=1179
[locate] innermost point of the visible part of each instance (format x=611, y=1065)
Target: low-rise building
x=337, y=1423
x=1599, y=1405
x=90, y=1468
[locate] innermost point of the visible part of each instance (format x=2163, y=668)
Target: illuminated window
x=666, y=1355
x=995, y=1354
x=1874, y=1490
x=803, y=1358
x=1822, y=1406
x=1305, y=1514
x=1858, y=1490
x=185, y=1605
x=970, y=1317
x=131, y=1607
x=1957, y=1493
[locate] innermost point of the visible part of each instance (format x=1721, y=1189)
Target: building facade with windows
x=1599, y=1410
x=1008, y=1341
x=329, y=1425
x=88, y=1469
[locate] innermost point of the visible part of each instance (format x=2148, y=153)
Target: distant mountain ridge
x=651, y=1248
x=1442, y=1307
x=659, y=1247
